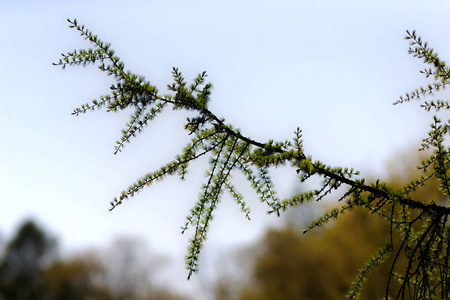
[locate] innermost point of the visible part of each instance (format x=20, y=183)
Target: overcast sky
x=333, y=68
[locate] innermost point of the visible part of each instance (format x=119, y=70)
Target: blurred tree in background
x=24, y=261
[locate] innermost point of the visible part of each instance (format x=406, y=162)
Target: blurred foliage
x=31, y=270
x=77, y=278
x=320, y=266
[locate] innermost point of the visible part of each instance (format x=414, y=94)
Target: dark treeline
x=30, y=268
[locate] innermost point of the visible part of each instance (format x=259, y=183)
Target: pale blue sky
x=331, y=67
